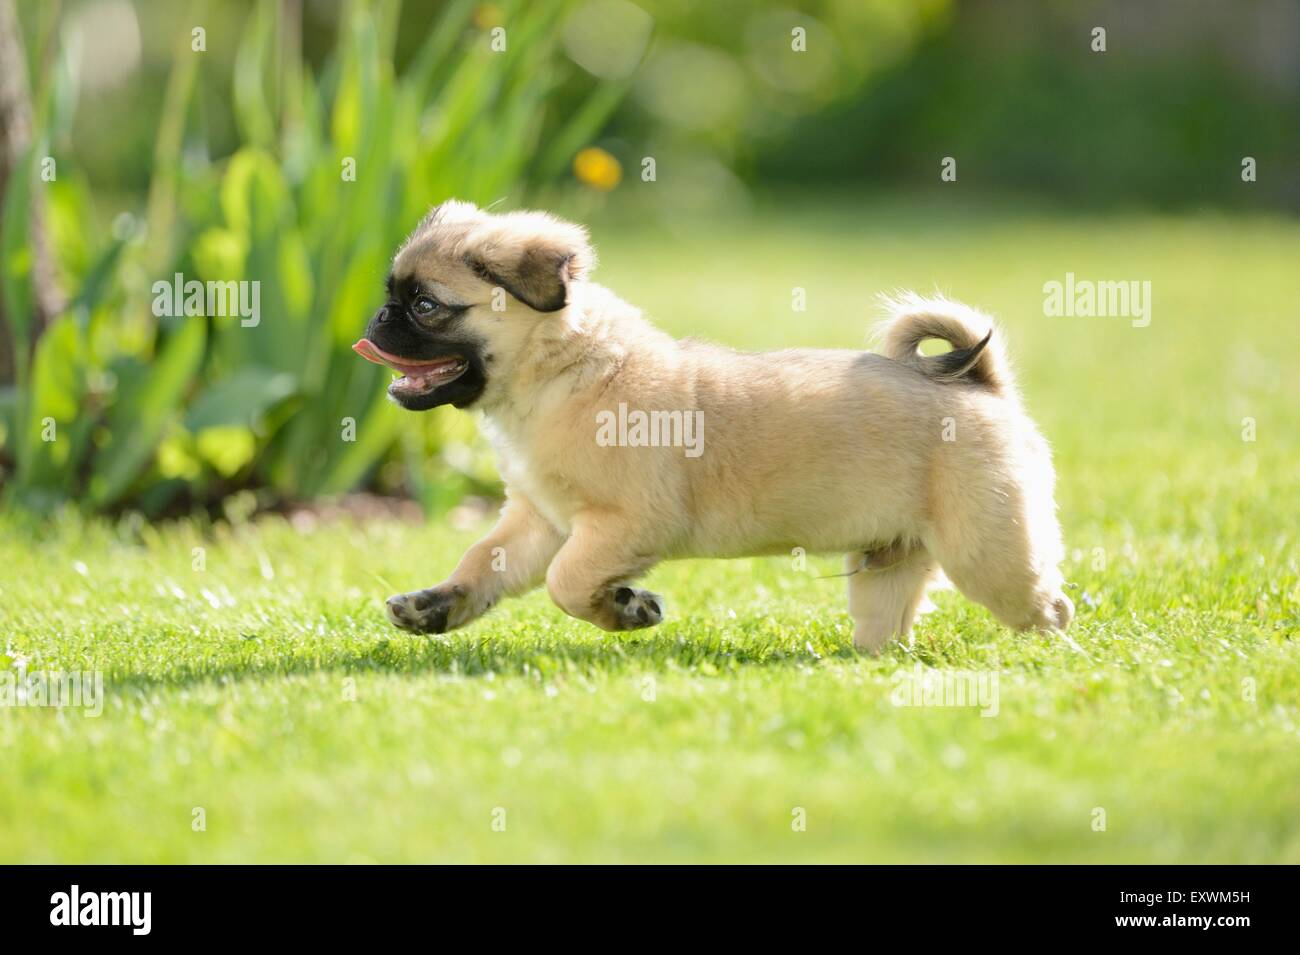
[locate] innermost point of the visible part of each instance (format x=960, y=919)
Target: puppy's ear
x=531, y=255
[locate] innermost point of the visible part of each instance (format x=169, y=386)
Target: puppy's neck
x=565, y=356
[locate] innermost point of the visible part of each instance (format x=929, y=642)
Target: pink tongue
x=371, y=352
x=366, y=349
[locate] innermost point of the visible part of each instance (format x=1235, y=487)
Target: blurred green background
x=295, y=142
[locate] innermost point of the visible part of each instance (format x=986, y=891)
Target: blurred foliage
x=1014, y=89
x=735, y=98
x=117, y=407
x=723, y=84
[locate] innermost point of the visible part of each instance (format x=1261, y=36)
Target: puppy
x=621, y=446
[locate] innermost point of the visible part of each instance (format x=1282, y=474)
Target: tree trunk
x=15, y=137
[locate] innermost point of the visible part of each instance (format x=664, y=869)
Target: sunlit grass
x=267, y=689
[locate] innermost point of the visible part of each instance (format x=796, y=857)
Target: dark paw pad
x=424, y=611
x=637, y=608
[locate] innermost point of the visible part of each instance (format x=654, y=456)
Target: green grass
x=268, y=689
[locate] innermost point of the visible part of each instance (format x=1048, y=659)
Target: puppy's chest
x=534, y=474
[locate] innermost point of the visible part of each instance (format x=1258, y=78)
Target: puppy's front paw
x=636, y=609
x=427, y=611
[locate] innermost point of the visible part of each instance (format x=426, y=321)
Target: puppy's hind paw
x=425, y=611
x=636, y=609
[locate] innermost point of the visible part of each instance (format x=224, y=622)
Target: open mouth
x=419, y=376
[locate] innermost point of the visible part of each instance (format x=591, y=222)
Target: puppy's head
x=465, y=291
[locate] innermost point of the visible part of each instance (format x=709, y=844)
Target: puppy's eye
x=426, y=306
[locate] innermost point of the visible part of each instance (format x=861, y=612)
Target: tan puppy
x=621, y=446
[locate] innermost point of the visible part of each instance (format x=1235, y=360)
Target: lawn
x=261, y=709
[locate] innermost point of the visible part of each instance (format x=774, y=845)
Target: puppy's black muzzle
x=396, y=331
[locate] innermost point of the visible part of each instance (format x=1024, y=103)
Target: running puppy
x=621, y=446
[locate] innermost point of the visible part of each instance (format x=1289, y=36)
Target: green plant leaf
x=148, y=400
x=50, y=450
x=237, y=400
x=253, y=110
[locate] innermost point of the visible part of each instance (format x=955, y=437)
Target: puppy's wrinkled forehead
x=437, y=252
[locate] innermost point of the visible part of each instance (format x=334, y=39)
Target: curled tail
x=977, y=354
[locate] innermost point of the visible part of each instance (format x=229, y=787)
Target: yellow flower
x=597, y=168
x=487, y=16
